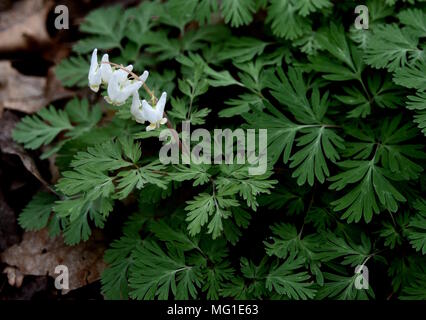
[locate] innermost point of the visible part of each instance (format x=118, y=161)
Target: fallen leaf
x=54, y=88
x=28, y=93
x=56, y=51
x=28, y=289
x=24, y=25
x=8, y=228
x=39, y=255
x=8, y=146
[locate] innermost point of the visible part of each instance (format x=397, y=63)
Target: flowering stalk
x=152, y=96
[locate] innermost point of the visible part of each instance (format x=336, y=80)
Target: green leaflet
x=160, y=273
x=372, y=189
x=238, y=12
x=36, y=214
x=287, y=281
x=392, y=48
x=106, y=28
x=417, y=227
x=43, y=127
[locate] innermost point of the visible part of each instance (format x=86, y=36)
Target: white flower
x=148, y=113
x=154, y=115
x=99, y=73
x=120, y=87
x=95, y=78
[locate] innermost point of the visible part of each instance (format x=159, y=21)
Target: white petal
x=132, y=87
x=163, y=121
x=94, y=61
x=105, y=68
x=128, y=89
x=135, y=110
x=144, y=76
x=107, y=99
x=94, y=88
x=136, y=103
x=151, y=127
x=140, y=120
x=149, y=113
x=113, y=88
x=123, y=74
x=95, y=81
x=94, y=73
x=161, y=103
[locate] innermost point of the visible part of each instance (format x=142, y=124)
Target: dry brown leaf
x=8, y=226
x=38, y=255
x=24, y=24
x=28, y=93
x=8, y=146
x=54, y=88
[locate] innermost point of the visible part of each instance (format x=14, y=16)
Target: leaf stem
x=365, y=89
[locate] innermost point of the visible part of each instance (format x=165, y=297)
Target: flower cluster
x=120, y=87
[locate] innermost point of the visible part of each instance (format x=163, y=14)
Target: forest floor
x=30, y=47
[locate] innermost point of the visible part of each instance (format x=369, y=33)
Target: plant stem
x=365, y=89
